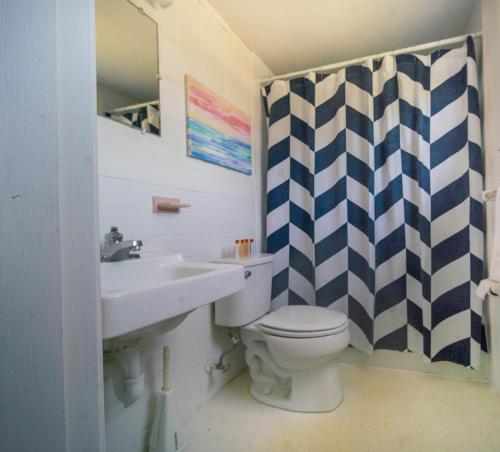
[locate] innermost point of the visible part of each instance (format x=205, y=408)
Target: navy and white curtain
x=374, y=200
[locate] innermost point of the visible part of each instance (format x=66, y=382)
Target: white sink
x=138, y=293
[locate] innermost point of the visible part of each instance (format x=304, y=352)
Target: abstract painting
x=217, y=131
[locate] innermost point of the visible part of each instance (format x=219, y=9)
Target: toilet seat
x=303, y=322
x=301, y=334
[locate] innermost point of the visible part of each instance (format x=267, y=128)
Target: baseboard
x=412, y=362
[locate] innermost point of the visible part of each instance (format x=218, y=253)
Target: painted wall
x=475, y=19
x=50, y=377
x=108, y=99
x=226, y=205
x=490, y=12
x=491, y=108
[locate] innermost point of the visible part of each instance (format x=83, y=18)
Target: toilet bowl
x=295, y=368
x=290, y=352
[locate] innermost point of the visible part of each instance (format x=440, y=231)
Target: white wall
x=50, y=361
x=491, y=107
x=226, y=205
x=108, y=99
x=490, y=12
x=259, y=138
x=475, y=19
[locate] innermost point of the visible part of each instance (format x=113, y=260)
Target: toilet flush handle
x=248, y=273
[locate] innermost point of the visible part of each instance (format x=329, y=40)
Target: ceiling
x=290, y=35
x=126, y=50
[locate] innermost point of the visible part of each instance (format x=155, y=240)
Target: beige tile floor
x=382, y=411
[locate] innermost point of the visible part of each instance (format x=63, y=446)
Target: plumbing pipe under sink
x=132, y=371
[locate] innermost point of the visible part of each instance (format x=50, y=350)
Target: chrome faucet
x=115, y=249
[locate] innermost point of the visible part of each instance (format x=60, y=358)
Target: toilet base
x=315, y=390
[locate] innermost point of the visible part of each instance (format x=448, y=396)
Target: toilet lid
x=307, y=321
x=301, y=334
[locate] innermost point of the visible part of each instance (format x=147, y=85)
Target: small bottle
x=237, y=249
x=250, y=251
x=245, y=248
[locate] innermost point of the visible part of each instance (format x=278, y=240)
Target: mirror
x=127, y=65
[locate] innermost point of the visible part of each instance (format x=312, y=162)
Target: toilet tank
x=254, y=300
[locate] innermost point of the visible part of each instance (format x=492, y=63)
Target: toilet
x=290, y=352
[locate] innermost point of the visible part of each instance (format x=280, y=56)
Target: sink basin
x=138, y=293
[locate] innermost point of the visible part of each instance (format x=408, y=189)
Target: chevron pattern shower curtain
x=374, y=200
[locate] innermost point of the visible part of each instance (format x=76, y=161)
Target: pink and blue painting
x=217, y=132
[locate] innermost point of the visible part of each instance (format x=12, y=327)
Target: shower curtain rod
x=329, y=67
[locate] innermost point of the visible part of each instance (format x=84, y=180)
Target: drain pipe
x=132, y=370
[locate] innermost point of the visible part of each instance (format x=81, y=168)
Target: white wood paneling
x=225, y=205
x=50, y=392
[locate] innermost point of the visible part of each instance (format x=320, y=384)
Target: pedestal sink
x=140, y=294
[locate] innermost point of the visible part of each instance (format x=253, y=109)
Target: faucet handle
x=113, y=235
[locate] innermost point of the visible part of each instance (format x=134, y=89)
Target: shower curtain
x=374, y=200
